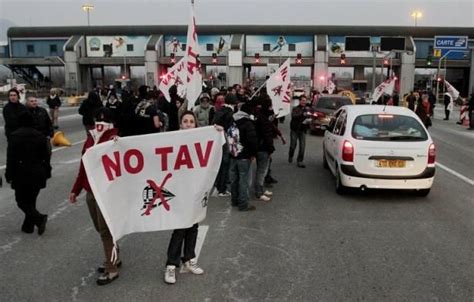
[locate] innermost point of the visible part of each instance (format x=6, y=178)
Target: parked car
x=380, y=147
x=323, y=110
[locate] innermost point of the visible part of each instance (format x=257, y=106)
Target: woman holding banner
x=104, y=131
x=188, y=236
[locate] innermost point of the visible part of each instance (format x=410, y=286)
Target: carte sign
x=154, y=182
x=451, y=42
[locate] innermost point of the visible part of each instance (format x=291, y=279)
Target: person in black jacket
x=89, y=109
x=27, y=171
x=41, y=121
x=240, y=164
x=11, y=111
x=411, y=100
x=264, y=128
x=223, y=117
x=54, y=102
x=298, y=128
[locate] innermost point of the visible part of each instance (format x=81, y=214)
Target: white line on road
x=54, y=150
x=462, y=177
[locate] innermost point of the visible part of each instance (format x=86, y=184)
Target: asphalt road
x=307, y=244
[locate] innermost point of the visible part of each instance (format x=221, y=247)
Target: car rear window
x=332, y=103
x=381, y=127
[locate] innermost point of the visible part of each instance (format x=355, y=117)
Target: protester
x=243, y=148
x=54, y=102
x=471, y=110
x=148, y=116
x=183, y=237
x=264, y=129
x=298, y=126
x=128, y=123
x=204, y=112
x=104, y=118
x=41, y=121
x=11, y=111
x=411, y=99
x=89, y=109
x=223, y=117
x=423, y=109
x=431, y=101
x=448, y=104
x=115, y=105
x=27, y=170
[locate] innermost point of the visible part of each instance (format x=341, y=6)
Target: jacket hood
x=240, y=115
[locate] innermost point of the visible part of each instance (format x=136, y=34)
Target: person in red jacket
x=103, y=132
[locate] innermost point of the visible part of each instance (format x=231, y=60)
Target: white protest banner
x=154, y=182
x=452, y=91
x=193, y=66
x=176, y=75
x=279, y=89
x=384, y=88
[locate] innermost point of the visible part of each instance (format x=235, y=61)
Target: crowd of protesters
x=247, y=119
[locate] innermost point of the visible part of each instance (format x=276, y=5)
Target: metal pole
x=259, y=88
x=373, y=70
x=88, y=18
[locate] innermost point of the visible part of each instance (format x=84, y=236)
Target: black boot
x=41, y=224
x=28, y=226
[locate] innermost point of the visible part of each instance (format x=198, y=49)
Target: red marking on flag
x=158, y=194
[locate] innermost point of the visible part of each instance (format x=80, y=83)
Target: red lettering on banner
x=284, y=73
x=112, y=166
x=191, y=65
x=183, y=158
x=203, y=160
x=128, y=164
x=164, y=156
x=287, y=97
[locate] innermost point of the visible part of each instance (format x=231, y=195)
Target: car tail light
x=347, y=151
x=432, y=154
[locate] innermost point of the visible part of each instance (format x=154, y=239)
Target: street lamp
x=416, y=14
x=87, y=8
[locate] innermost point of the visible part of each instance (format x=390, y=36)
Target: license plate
x=391, y=163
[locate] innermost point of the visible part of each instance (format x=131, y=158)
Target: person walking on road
x=423, y=109
x=89, y=109
x=298, y=126
x=448, y=105
x=183, y=237
x=12, y=110
x=54, y=102
x=27, y=170
x=109, y=271
x=41, y=121
x=411, y=100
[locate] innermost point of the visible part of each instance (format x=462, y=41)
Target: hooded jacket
x=248, y=135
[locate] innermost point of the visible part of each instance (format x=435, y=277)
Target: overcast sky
x=295, y=12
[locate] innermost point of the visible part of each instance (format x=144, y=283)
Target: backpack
x=233, y=140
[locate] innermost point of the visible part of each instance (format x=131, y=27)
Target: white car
x=380, y=147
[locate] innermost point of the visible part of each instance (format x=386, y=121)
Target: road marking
x=462, y=177
x=54, y=150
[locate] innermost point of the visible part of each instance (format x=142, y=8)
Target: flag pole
x=259, y=88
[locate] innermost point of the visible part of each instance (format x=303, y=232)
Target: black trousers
x=188, y=237
x=446, y=112
x=26, y=201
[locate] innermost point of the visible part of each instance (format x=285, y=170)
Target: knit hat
x=204, y=96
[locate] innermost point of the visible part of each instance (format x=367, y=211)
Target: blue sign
x=455, y=55
x=450, y=42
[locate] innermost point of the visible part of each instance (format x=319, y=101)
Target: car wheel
x=325, y=162
x=422, y=192
x=340, y=188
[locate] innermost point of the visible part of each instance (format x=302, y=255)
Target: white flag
x=154, y=182
x=452, y=91
x=176, y=75
x=279, y=89
x=384, y=88
x=193, y=76
x=331, y=87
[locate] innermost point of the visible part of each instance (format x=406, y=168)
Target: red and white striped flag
x=193, y=68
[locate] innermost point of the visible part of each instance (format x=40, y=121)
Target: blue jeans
x=263, y=162
x=241, y=179
x=294, y=137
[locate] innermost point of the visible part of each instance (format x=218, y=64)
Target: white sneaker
x=268, y=193
x=170, y=274
x=264, y=198
x=192, y=266
x=225, y=194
